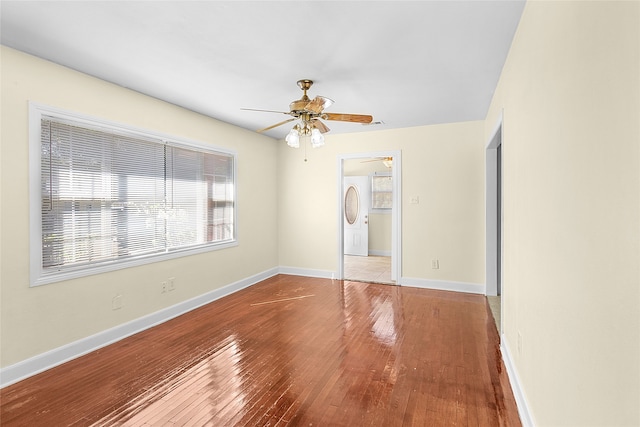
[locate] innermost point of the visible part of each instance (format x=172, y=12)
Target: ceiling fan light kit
x=309, y=112
x=293, y=138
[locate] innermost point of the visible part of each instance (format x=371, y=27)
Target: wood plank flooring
x=289, y=351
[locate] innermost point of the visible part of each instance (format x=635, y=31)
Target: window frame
x=371, y=178
x=38, y=275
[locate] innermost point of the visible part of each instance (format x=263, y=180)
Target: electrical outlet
x=435, y=264
x=171, y=283
x=163, y=287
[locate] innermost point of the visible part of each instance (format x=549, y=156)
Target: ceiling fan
x=309, y=112
x=387, y=161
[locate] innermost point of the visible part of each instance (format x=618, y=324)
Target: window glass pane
x=219, y=173
x=93, y=208
x=381, y=183
x=381, y=192
x=108, y=196
x=139, y=168
x=200, y=198
x=187, y=194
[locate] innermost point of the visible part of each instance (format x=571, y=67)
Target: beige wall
x=35, y=320
x=380, y=233
x=571, y=98
x=441, y=164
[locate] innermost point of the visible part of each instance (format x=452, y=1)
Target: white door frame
x=396, y=213
x=491, y=211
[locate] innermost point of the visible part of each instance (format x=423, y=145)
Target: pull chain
x=305, y=150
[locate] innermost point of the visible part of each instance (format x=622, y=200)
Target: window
x=109, y=197
x=381, y=191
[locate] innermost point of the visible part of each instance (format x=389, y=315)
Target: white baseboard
x=444, y=285
x=518, y=392
x=308, y=272
x=34, y=365
x=374, y=252
x=472, y=288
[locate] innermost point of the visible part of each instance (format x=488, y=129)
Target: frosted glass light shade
x=317, y=139
x=293, y=139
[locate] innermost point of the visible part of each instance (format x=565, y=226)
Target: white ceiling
x=407, y=63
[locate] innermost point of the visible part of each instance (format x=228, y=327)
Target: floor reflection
x=379, y=307
x=288, y=351
x=384, y=321
x=209, y=391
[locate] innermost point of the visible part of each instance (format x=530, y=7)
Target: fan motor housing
x=299, y=105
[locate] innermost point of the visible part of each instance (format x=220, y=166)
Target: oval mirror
x=351, y=205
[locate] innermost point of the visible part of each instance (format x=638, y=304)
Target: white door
x=357, y=199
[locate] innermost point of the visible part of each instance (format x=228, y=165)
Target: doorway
x=375, y=265
x=494, y=223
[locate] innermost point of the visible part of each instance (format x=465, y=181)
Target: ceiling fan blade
x=354, y=118
x=276, y=125
x=320, y=126
x=378, y=159
x=265, y=111
x=317, y=104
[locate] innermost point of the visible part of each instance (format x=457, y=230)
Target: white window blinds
x=107, y=196
x=381, y=192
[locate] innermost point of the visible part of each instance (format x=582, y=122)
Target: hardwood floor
x=288, y=351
